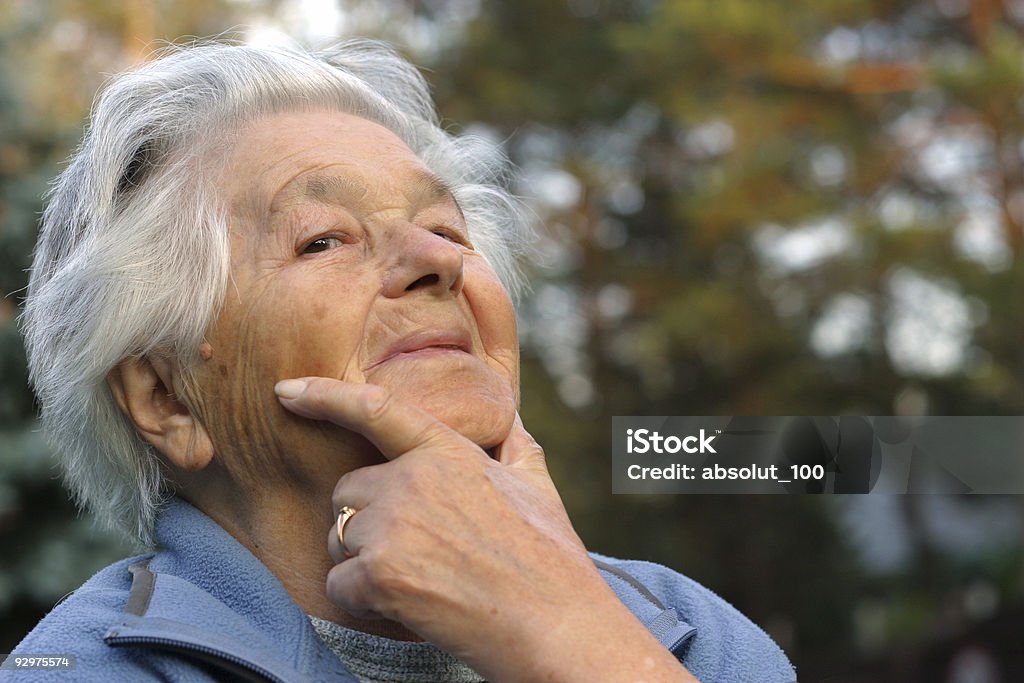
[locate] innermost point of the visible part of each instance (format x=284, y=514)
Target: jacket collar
x=205, y=595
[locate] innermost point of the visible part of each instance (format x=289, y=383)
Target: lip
x=444, y=340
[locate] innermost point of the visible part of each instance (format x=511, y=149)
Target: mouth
x=425, y=344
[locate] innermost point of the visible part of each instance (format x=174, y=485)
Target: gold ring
x=346, y=514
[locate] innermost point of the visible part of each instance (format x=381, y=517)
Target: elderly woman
x=270, y=330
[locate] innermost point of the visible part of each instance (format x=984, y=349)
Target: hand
x=475, y=554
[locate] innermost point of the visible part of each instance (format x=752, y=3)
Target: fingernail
x=290, y=388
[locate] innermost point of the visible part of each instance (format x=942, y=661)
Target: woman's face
x=350, y=260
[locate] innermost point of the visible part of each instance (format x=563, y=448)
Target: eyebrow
x=329, y=189
x=429, y=185
x=344, y=190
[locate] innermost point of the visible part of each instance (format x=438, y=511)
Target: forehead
x=322, y=156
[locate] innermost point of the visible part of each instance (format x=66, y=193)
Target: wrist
x=595, y=637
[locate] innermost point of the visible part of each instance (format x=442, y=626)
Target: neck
x=288, y=534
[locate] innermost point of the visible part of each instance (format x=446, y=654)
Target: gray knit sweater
x=375, y=659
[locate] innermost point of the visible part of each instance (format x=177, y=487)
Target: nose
x=423, y=261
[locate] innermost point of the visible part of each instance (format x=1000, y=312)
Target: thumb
x=520, y=448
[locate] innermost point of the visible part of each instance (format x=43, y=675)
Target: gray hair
x=132, y=257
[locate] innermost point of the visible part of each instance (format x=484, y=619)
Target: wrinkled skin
x=353, y=270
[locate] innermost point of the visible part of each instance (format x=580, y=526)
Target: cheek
x=495, y=318
x=275, y=332
x=304, y=326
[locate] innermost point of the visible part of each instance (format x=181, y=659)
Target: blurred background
x=753, y=207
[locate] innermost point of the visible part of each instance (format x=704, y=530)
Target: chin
x=484, y=415
x=485, y=431
x=468, y=396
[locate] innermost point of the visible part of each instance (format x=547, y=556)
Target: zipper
x=231, y=663
x=677, y=647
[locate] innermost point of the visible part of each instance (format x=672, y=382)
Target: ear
x=145, y=389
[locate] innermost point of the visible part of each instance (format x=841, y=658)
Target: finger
x=392, y=425
x=359, y=487
x=519, y=447
x=355, y=489
x=334, y=548
x=349, y=587
x=353, y=533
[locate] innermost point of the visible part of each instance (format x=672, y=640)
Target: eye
x=451, y=235
x=321, y=244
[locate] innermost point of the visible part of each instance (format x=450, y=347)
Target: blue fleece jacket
x=203, y=608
